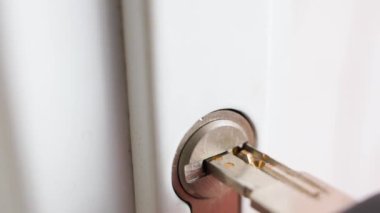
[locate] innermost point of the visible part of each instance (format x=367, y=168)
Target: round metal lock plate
x=215, y=133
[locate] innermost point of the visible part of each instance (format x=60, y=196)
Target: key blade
x=279, y=171
x=234, y=172
x=269, y=191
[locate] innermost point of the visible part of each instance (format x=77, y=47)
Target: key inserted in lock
x=217, y=156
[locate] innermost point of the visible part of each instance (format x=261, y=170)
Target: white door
x=305, y=72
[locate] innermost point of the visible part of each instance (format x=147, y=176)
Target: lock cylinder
x=211, y=135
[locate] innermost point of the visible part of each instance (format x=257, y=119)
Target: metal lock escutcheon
x=213, y=134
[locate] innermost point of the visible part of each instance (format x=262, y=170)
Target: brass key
x=272, y=186
x=217, y=160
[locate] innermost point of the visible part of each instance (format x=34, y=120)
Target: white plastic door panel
x=304, y=71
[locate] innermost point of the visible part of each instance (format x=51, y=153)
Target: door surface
x=305, y=72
